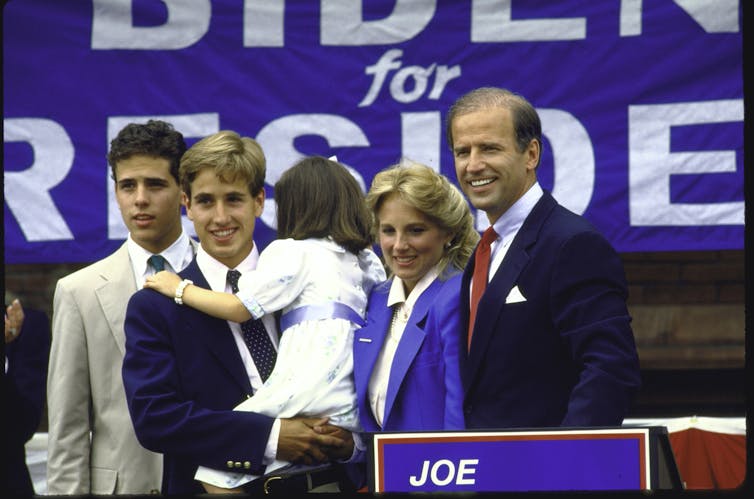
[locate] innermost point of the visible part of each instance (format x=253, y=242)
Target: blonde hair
x=438, y=199
x=230, y=155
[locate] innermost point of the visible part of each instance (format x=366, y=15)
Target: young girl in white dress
x=318, y=273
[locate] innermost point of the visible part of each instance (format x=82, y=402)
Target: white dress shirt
x=402, y=307
x=508, y=225
x=216, y=274
x=177, y=257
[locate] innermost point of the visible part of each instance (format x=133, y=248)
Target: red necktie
x=479, y=279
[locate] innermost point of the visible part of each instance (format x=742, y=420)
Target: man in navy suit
x=23, y=395
x=185, y=371
x=551, y=342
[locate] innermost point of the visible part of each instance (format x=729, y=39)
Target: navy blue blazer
x=183, y=375
x=24, y=398
x=563, y=356
x=424, y=391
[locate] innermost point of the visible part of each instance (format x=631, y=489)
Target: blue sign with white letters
x=512, y=461
x=641, y=102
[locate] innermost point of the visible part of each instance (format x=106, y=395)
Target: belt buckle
x=270, y=479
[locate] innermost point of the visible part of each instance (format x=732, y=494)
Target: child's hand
x=165, y=282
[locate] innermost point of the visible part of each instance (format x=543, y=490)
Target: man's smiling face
x=224, y=216
x=491, y=170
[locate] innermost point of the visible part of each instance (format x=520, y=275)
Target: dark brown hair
x=317, y=198
x=155, y=138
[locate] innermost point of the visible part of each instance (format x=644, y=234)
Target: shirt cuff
x=222, y=479
x=252, y=305
x=270, y=452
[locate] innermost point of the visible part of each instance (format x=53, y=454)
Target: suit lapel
x=116, y=289
x=492, y=302
x=409, y=345
x=370, y=339
x=214, y=333
x=114, y=292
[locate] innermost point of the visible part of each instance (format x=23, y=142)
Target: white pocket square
x=515, y=296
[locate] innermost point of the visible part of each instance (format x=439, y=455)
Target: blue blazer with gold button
x=183, y=376
x=424, y=389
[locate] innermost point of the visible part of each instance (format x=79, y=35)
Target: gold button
x=247, y=465
x=229, y=464
x=238, y=464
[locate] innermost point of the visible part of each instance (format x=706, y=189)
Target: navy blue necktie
x=255, y=336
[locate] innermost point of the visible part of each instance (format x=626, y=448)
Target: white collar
x=513, y=218
x=397, y=292
x=215, y=272
x=175, y=254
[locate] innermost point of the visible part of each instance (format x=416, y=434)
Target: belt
x=329, y=310
x=295, y=481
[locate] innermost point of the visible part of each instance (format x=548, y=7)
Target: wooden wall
x=688, y=321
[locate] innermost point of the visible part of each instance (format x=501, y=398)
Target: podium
x=560, y=459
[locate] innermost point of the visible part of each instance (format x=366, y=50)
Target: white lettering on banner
x=491, y=21
x=112, y=26
x=277, y=140
x=190, y=125
x=27, y=192
x=573, y=159
x=343, y=24
x=573, y=162
x=447, y=468
x=651, y=164
x=714, y=16
x=423, y=147
x=263, y=23
x=630, y=17
x=649, y=158
x=418, y=74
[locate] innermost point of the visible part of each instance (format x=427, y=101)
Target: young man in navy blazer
x=185, y=371
x=551, y=342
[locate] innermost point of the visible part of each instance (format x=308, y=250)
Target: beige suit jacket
x=85, y=393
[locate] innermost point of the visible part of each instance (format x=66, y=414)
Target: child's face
x=224, y=216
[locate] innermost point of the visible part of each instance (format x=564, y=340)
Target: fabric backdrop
x=641, y=102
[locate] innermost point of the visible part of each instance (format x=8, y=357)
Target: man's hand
x=312, y=441
x=14, y=319
x=340, y=452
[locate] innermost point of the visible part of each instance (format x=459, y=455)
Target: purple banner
x=641, y=102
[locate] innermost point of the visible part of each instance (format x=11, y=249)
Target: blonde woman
x=406, y=357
